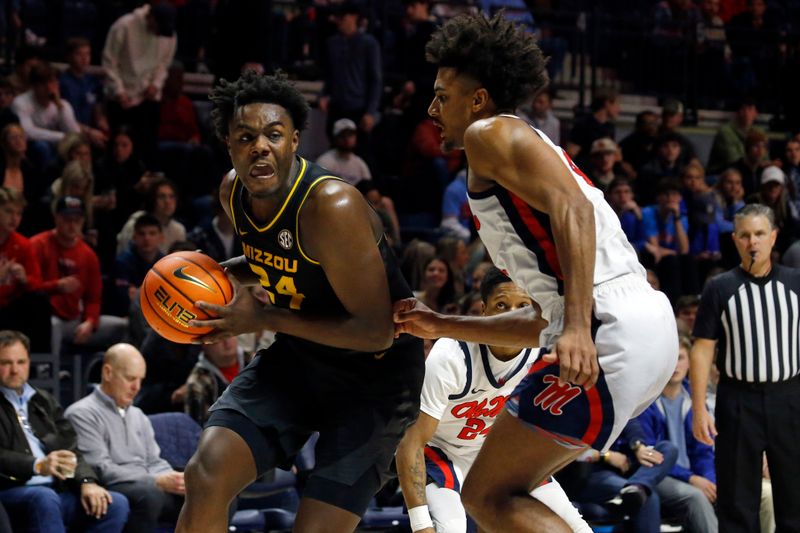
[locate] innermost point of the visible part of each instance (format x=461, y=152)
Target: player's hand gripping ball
x=171, y=288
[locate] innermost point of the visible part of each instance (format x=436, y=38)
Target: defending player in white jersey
x=465, y=388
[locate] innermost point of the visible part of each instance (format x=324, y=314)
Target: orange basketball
x=171, y=288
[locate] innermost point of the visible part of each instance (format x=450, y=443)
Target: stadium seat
x=177, y=434
x=384, y=517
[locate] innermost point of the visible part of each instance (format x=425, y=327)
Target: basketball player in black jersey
x=312, y=242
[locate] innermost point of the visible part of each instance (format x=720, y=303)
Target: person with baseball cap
x=603, y=157
x=773, y=193
x=71, y=277
x=341, y=159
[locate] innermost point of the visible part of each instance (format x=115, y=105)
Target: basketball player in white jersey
x=465, y=388
x=613, y=339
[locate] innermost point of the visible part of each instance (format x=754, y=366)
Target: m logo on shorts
x=555, y=396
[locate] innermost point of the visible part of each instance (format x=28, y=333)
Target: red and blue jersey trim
x=533, y=228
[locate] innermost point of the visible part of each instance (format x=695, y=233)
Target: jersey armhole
x=230, y=203
x=468, y=361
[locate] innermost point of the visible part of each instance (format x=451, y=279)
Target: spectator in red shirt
x=71, y=276
x=181, y=154
x=21, y=307
x=426, y=147
x=428, y=171
x=178, y=118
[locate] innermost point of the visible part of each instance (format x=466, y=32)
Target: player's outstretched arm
x=410, y=460
x=518, y=328
x=508, y=152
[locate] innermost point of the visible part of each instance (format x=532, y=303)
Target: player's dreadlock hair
x=252, y=87
x=497, y=53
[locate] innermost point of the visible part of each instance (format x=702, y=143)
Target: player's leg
x=552, y=495
x=447, y=511
x=335, y=507
x=514, y=459
x=222, y=466
x=233, y=451
x=315, y=516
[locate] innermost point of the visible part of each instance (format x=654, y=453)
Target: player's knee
x=200, y=476
x=478, y=501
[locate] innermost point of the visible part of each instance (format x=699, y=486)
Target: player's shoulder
x=447, y=352
x=329, y=194
x=489, y=129
x=227, y=181
x=501, y=136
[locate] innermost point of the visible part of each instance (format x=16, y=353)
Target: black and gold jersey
x=274, y=251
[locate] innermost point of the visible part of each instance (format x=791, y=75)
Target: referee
x=751, y=315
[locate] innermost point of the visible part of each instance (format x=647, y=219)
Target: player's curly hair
x=252, y=87
x=497, y=53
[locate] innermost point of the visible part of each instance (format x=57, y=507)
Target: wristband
x=420, y=518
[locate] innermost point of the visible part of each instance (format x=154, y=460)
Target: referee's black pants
x=752, y=419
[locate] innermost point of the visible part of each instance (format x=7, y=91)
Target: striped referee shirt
x=756, y=321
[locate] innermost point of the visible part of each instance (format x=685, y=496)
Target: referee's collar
x=759, y=280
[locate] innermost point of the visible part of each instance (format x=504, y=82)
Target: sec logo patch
x=285, y=239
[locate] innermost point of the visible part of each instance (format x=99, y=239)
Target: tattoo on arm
x=419, y=475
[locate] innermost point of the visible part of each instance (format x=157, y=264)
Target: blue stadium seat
x=177, y=434
x=248, y=520
x=383, y=517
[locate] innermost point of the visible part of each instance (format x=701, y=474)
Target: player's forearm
x=574, y=232
x=411, y=473
x=240, y=269
x=364, y=334
x=519, y=328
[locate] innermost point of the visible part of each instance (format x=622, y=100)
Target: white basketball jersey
x=465, y=388
x=520, y=239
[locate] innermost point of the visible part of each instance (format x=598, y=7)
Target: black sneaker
x=633, y=498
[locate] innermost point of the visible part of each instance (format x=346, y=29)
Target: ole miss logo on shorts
x=571, y=414
x=556, y=395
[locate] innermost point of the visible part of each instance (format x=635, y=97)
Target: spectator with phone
x=44, y=116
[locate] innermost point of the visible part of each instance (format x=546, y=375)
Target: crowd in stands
x=104, y=174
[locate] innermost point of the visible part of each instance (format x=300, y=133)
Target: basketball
x=171, y=288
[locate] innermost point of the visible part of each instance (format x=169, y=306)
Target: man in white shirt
x=139, y=48
x=44, y=116
x=465, y=388
x=341, y=159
